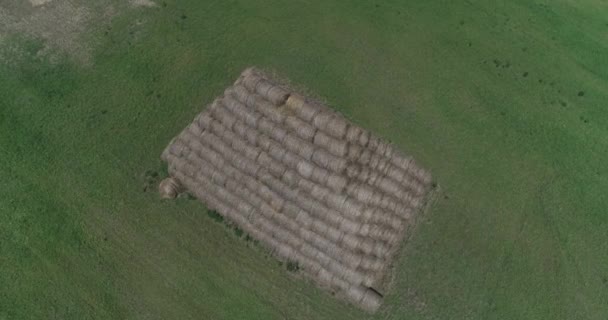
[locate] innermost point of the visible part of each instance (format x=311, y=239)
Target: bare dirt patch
x=59, y=24
x=143, y=3
x=37, y=3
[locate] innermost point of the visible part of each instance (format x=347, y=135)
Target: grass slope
x=504, y=102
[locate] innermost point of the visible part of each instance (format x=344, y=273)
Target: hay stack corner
x=311, y=186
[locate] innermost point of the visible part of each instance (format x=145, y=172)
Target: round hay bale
x=305, y=110
x=350, y=226
x=252, y=152
x=291, y=159
x=350, y=241
x=301, y=128
x=240, y=93
x=353, y=133
x=262, y=87
x=352, y=171
x=373, y=143
x=204, y=120
x=320, y=175
x=334, y=235
x=305, y=185
x=299, y=146
x=382, y=147
x=269, y=110
x=276, y=152
x=371, y=301
x=169, y=188
x=321, y=120
x=334, y=146
x=354, y=151
x=250, y=71
x=294, y=103
x=240, y=128
x=278, y=134
x=277, y=95
x=318, y=192
x=363, y=193
x=264, y=142
x=336, y=127
x=291, y=178
x=337, y=183
x=266, y=126
x=365, y=157
x=364, y=138
x=250, y=81
x=335, y=201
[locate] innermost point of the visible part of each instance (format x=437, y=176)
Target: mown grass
x=518, y=231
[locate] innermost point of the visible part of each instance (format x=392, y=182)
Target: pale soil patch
x=60, y=24
x=143, y=3
x=37, y=3
x=64, y=26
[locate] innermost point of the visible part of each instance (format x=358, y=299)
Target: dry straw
x=308, y=184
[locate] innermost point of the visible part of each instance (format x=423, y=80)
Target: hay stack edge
x=311, y=186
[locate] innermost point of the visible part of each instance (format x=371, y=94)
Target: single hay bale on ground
x=169, y=188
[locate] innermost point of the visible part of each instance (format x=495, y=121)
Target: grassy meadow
x=506, y=103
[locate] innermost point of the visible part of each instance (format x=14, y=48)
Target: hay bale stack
x=311, y=186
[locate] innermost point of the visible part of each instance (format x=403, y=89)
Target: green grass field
x=506, y=103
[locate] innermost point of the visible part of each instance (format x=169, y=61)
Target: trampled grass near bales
x=504, y=103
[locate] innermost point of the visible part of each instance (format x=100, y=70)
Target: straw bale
x=350, y=226
x=262, y=87
x=335, y=200
x=388, y=185
x=305, y=110
x=353, y=171
x=240, y=93
x=252, y=152
x=382, y=147
x=299, y=146
x=291, y=178
x=351, y=241
x=276, y=152
x=361, y=192
x=334, y=146
x=373, y=143
x=334, y=235
x=365, y=157
x=364, y=138
x=250, y=81
x=265, y=160
x=277, y=95
x=265, y=125
x=269, y=110
x=354, y=151
x=195, y=129
x=225, y=117
x=301, y=128
x=305, y=184
x=295, y=102
x=336, y=127
x=169, y=188
x=291, y=159
x=353, y=133
x=321, y=120
x=337, y=183
x=371, y=301
x=318, y=192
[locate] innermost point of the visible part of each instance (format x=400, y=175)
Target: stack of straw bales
x=307, y=183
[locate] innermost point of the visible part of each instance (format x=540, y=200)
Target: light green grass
x=519, y=230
